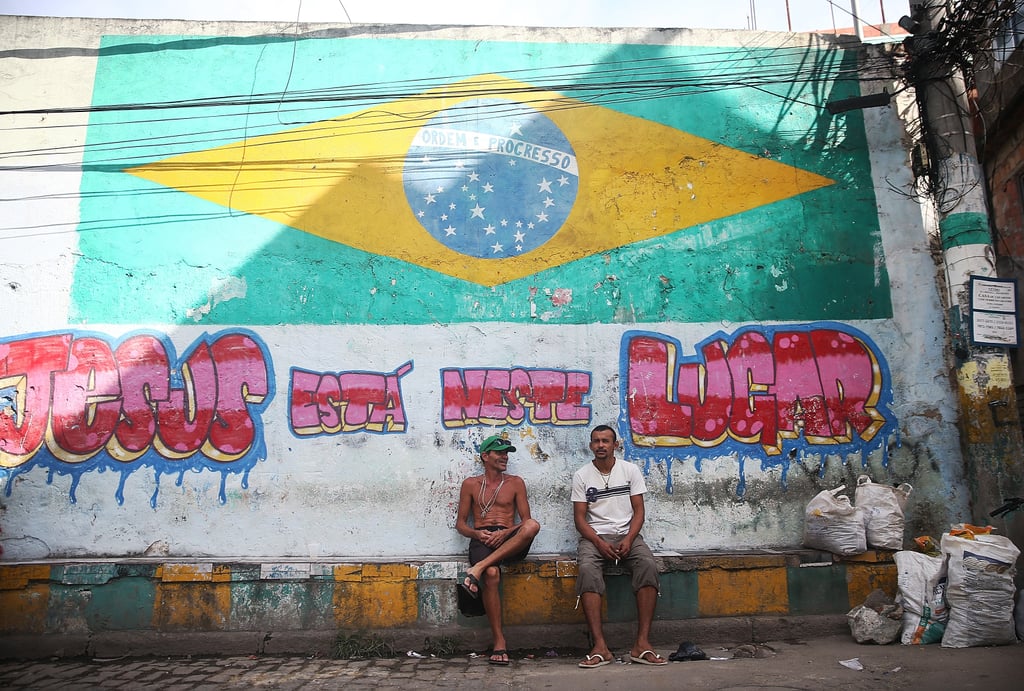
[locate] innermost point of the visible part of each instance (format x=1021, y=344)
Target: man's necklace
x=485, y=506
x=605, y=476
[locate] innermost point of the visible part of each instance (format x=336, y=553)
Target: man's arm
x=579, y=517
x=465, y=505
x=636, y=501
x=522, y=503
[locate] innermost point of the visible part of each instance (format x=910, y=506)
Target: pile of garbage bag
x=958, y=591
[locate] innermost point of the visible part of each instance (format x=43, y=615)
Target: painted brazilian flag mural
x=389, y=181
x=312, y=271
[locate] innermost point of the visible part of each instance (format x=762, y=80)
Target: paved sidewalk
x=812, y=664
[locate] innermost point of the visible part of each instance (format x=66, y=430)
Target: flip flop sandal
x=597, y=656
x=473, y=582
x=641, y=660
x=501, y=663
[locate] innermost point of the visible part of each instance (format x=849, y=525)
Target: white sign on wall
x=994, y=312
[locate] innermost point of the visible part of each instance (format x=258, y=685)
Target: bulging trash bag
x=980, y=590
x=883, y=511
x=833, y=524
x=922, y=584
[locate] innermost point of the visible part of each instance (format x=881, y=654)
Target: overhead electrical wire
x=612, y=86
x=566, y=81
x=614, y=83
x=963, y=36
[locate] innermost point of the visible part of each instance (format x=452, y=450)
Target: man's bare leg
x=592, y=613
x=488, y=574
x=509, y=548
x=491, y=578
x=646, y=600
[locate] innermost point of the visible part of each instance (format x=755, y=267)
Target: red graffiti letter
x=572, y=410
x=145, y=379
x=707, y=390
x=25, y=367
x=651, y=407
x=462, y=396
x=753, y=373
x=548, y=389
x=86, y=401
x=312, y=411
x=801, y=401
x=850, y=378
x=184, y=419
x=493, y=408
x=390, y=417
x=242, y=379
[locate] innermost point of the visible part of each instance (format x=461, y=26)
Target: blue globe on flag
x=491, y=178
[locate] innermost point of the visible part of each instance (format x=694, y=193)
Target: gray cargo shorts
x=590, y=565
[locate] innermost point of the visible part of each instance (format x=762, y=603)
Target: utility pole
x=989, y=426
x=858, y=27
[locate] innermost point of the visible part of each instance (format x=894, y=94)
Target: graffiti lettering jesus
x=820, y=384
x=68, y=397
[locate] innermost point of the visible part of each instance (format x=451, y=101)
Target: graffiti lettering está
x=329, y=403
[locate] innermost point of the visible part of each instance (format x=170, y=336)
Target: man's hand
x=622, y=548
x=607, y=550
x=492, y=538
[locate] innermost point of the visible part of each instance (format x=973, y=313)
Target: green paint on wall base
x=818, y=590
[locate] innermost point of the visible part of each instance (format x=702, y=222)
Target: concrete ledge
x=281, y=606
x=724, y=631
x=28, y=647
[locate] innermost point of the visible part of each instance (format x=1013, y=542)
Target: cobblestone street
x=827, y=662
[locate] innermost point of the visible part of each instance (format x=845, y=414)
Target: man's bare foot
x=471, y=585
x=646, y=656
x=597, y=658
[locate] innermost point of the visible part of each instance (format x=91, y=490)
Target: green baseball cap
x=496, y=443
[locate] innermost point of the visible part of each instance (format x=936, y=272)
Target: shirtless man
x=493, y=500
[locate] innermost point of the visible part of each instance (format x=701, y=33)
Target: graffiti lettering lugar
x=75, y=396
x=328, y=403
x=509, y=396
x=818, y=385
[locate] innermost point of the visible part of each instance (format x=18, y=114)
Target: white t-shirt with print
x=609, y=510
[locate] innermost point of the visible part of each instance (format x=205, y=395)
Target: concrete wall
x=236, y=322
x=1001, y=148
x=137, y=606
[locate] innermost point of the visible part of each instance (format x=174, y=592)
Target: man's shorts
x=478, y=550
x=590, y=565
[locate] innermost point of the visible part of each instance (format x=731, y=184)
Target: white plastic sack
x=980, y=590
x=883, y=511
x=922, y=592
x=833, y=524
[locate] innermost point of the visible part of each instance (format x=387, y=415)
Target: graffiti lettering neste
x=329, y=403
x=760, y=390
x=510, y=396
x=76, y=402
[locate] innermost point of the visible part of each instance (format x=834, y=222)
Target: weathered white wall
x=392, y=495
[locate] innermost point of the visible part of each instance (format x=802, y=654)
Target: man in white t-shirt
x=608, y=510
